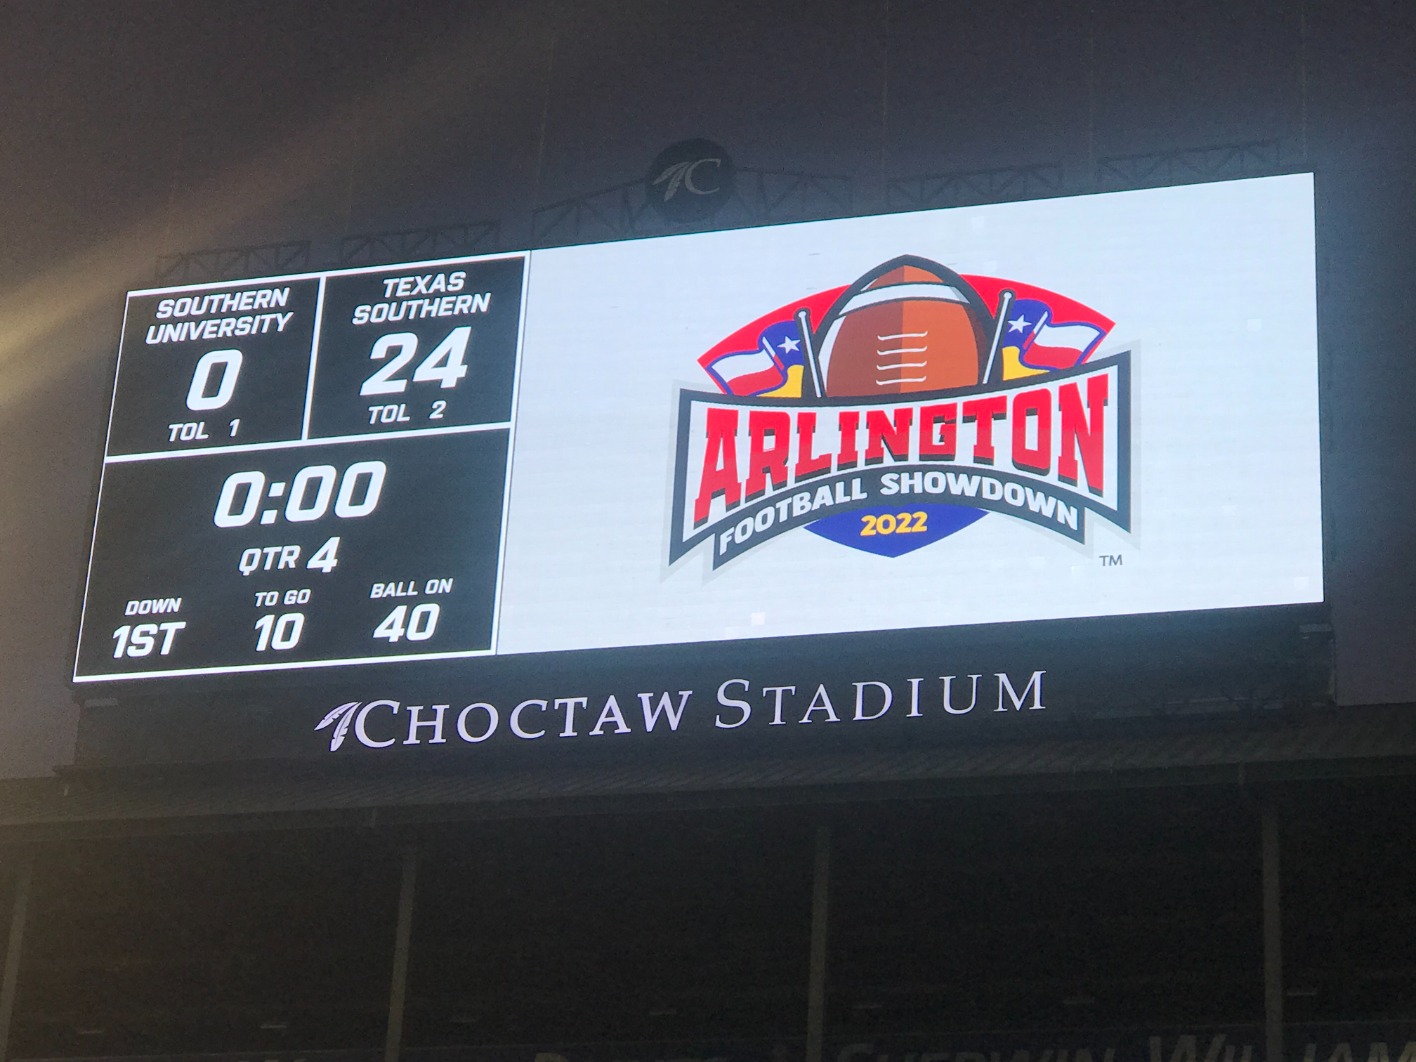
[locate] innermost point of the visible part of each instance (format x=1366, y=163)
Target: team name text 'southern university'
x=220, y=315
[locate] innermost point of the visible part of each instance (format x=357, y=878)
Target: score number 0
x=226, y=366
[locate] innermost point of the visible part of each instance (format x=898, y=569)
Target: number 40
x=417, y=624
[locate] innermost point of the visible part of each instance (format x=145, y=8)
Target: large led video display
x=1102, y=405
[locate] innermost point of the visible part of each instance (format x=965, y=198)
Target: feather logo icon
x=343, y=716
x=681, y=175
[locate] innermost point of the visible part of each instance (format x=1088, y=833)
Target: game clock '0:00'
x=355, y=492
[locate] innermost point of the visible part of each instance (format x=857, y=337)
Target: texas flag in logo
x=776, y=364
x=1043, y=331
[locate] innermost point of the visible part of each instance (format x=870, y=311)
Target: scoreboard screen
x=1104, y=405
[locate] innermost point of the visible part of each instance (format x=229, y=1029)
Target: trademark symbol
x=1111, y=560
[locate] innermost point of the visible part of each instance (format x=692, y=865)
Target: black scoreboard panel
x=306, y=470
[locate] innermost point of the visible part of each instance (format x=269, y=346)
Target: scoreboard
x=288, y=460
x=1096, y=406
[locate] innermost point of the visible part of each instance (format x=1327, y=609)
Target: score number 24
x=445, y=366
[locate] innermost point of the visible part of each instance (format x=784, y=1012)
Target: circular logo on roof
x=690, y=181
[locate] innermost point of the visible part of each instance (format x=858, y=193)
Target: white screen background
x=1211, y=287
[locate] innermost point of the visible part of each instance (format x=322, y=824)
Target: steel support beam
x=403, y=934
x=1273, y=935
x=816, y=981
x=19, y=913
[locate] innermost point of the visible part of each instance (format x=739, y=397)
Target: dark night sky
x=132, y=129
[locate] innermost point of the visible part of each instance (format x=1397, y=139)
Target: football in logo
x=907, y=325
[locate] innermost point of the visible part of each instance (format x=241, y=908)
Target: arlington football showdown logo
x=906, y=413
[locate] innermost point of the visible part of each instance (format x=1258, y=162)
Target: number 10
x=279, y=632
